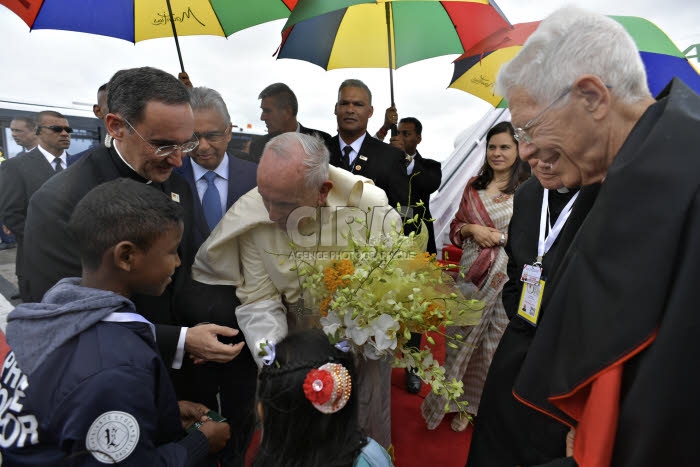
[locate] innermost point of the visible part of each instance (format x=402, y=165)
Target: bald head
x=293, y=172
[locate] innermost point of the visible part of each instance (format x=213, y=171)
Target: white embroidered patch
x=112, y=437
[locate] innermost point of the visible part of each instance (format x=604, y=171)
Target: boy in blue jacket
x=95, y=388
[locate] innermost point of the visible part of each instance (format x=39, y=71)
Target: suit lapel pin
x=175, y=197
x=363, y=158
x=358, y=167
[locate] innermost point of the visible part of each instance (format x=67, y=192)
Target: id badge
x=531, y=274
x=530, y=302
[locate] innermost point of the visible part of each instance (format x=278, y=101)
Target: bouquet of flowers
x=383, y=288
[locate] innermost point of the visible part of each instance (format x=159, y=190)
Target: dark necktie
x=211, y=201
x=345, y=158
x=58, y=163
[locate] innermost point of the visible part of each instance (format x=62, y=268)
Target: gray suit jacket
x=20, y=177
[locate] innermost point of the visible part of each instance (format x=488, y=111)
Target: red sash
x=476, y=213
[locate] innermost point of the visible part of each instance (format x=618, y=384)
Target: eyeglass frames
x=213, y=136
x=521, y=134
x=57, y=128
x=164, y=151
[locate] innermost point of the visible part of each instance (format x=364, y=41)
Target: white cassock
x=248, y=250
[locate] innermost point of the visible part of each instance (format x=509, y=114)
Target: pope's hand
x=202, y=343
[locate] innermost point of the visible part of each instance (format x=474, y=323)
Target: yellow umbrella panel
x=479, y=79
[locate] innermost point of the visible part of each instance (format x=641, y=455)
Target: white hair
x=202, y=98
x=316, y=156
x=572, y=42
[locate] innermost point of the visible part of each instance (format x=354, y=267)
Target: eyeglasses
x=164, y=151
x=213, y=136
x=521, y=134
x=58, y=128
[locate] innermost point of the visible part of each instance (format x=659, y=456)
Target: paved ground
x=8, y=284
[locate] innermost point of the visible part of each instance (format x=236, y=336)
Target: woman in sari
x=479, y=228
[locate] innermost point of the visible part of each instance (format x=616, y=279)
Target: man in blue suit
x=217, y=180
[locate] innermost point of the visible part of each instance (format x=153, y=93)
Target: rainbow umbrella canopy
x=475, y=71
x=138, y=20
x=385, y=33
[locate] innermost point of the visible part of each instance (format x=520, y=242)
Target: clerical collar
x=116, y=148
x=562, y=190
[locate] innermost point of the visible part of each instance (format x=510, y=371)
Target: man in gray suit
x=24, y=133
x=278, y=109
x=21, y=176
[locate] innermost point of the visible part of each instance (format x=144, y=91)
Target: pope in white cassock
x=302, y=199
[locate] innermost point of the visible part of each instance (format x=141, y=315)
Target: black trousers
x=228, y=388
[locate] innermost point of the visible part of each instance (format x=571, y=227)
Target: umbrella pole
x=177, y=43
x=391, y=55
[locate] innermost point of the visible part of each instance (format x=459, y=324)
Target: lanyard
x=127, y=317
x=544, y=244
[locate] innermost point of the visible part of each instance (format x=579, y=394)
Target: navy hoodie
x=94, y=385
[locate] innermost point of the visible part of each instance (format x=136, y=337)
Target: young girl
x=307, y=405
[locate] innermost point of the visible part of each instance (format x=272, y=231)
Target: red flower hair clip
x=328, y=388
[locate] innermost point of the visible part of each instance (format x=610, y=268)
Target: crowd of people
x=160, y=327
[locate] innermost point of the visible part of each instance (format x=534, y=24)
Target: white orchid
x=331, y=323
x=385, y=328
x=358, y=334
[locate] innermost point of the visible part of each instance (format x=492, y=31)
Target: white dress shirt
x=355, y=145
x=51, y=158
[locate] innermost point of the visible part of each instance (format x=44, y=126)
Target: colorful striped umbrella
x=138, y=20
x=475, y=71
x=385, y=33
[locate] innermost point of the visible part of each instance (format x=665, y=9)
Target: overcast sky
x=61, y=68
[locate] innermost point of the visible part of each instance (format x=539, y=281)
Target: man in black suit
x=424, y=174
x=355, y=150
x=21, y=176
x=217, y=180
x=279, y=107
x=152, y=126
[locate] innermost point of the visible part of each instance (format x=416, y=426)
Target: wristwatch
x=503, y=239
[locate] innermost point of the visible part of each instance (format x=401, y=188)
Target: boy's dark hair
x=121, y=210
x=295, y=432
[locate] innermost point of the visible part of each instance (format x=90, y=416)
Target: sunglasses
x=57, y=128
